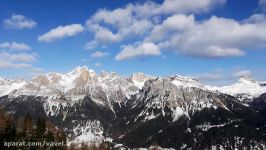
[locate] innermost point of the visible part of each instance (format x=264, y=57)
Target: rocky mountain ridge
x=82, y=80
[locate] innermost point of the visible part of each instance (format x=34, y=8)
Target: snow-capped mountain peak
x=245, y=85
x=182, y=78
x=84, y=81
x=139, y=79
x=7, y=85
x=80, y=69
x=79, y=82
x=181, y=81
x=247, y=80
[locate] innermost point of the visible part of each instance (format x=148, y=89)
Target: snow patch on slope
x=181, y=81
x=177, y=113
x=54, y=105
x=90, y=132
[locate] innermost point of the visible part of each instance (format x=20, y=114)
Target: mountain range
x=139, y=111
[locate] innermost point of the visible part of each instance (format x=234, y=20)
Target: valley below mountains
x=142, y=111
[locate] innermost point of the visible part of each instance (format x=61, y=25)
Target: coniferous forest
x=41, y=132
x=25, y=129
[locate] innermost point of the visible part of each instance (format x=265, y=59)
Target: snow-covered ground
x=90, y=132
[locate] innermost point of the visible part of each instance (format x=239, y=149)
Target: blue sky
x=215, y=41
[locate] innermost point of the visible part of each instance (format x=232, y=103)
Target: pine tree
x=104, y=146
x=40, y=128
x=84, y=146
x=28, y=125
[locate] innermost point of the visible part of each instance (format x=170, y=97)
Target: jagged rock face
x=140, y=78
x=259, y=103
x=84, y=77
x=88, y=120
x=164, y=113
x=42, y=80
x=77, y=83
x=132, y=124
x=55, y=78
x=163, y=93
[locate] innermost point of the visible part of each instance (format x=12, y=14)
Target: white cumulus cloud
x=17, y=21
x=213, y=37
x=172, y=25
x=135, y=20
x=61, y=32
x=188, y=6
x=143, y=21
x=139, y=49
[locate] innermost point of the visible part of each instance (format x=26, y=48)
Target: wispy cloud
x=17, y=21
x=98, y=64
x=221, y=76
x=18, y=56
x=241, y=73
x=91, y=45
x=61, y=32
x=17, y=60
x=99, y=54
x=210, y=76
x=14, y=46
x=262, y=3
